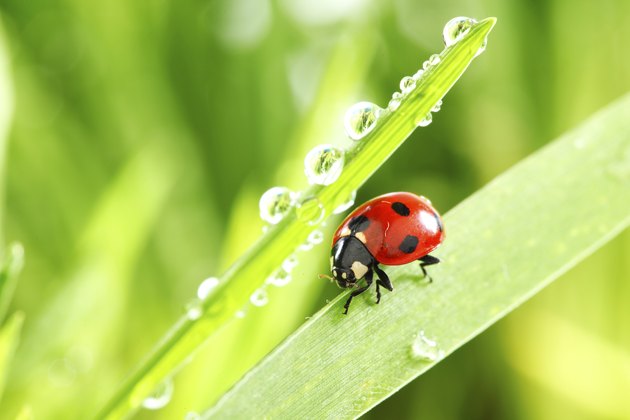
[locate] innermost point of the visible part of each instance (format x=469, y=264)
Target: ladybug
x=392, y=229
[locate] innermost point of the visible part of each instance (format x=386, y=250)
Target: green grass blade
x=503, y=244
x=250, y=271
x=9, y=270
x=9, y=339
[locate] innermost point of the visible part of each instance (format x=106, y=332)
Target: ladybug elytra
x=392, y=229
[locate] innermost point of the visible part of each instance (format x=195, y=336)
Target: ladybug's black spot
x=400, y=208
x=409, y=244
x=359, y=223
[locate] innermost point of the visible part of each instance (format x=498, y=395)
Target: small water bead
x=240, y=314
x=306, y=246
x=275, y=203
x=316, y=237
x=426, y=65
x=290, y=263
x=434, y=59
x=160, y=396
x=346, y=204
x=456, y=28
x=259, y=297
x=323, y=164
x=394, y=103
x=407, y=84
x=280, y=278
x=194, y=309
x=360, y=119
x=424, y=348
x=437, y=107
x=310, y=211
x=428, y=119
x=418, y=74
x=206, y=287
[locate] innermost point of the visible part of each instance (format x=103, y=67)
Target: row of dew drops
x=323, y=165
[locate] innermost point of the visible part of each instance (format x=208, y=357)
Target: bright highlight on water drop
x=323, y=164
x=424, y=348
x=259, y=297
x=361, y=119
x=206, y=287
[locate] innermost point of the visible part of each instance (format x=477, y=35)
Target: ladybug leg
x=383, y=280
x=428, y=260
x=357, y=292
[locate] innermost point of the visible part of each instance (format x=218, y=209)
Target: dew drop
x=194, y=309
x=240, y=314
x=275, y=203
x=434, y=59
x=424, y=348
x=346, y=204
x=407, y=84
x=418, y=74
x=206, y=287
x=279, y=278
x=310, y=211
x=456, y=28
x=323, y=164
x=394, y=103
x=305, y=246
x=290, y=263
x=360, y=119
x=437, y=107
x=160, y=396
x=316, y=237
x=428, y=119
x=426, y=65
x=259, y=297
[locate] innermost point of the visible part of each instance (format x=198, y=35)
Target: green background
x=143, y=134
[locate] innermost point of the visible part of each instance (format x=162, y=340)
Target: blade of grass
x=9, y=338
x=249, y=272
x=504, y=244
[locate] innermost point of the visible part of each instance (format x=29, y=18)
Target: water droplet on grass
x=310, y=211
x=275, y=203
x=240, y=314
x=346, y=204
x=259, y=297
x=437, y=107
x=394, y=103
x=428, y=119
x=323, y=164
x=424, y=348
x=160, y=396
x=434, y=59
x=360, y=119
x=290, y=263
x=407, y=84
x=206, y=287
x=279, y=278
x=194, y=309
x=316, y=237
x=456, y=28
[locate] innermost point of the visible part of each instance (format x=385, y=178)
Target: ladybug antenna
x=324, y=276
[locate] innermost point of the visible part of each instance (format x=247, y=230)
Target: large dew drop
x=275, y=203
x=160, y=396
x=323, y=164
x=407, y=84
x=456, y=28
x=360, y=119
x=310, y=211
x=423, y=348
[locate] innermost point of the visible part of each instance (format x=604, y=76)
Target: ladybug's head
x=349, y=262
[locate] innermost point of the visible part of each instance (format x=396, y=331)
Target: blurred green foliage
x=143, y=134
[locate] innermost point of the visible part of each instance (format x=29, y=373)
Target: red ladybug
x=393, y=229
